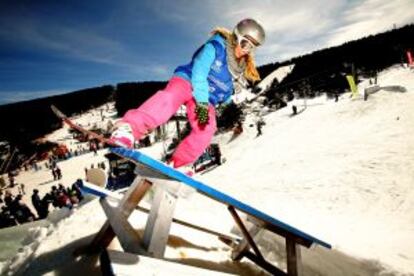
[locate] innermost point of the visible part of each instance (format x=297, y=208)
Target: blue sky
x=54, y=47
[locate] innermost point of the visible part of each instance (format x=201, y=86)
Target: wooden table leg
x=293, y=258
x=131, y=199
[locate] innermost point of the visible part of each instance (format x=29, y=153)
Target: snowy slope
x=279, y=74
x=341, y=171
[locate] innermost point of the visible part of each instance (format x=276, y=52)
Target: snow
x=278, y=74
x=264, y=85
x=340, y=171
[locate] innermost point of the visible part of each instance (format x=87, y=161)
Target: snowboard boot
x=122, y=135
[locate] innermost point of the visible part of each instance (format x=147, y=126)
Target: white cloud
x=370, y=17
x=299, y=27
x=294, y=27
x=157, y=71
x=161, y=70
x=18, y=96
x=287, y=23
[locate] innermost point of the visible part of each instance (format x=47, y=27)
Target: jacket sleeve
x=201, y=68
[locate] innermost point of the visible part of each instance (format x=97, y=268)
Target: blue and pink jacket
x=208, y=73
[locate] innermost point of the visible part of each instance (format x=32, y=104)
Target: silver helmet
x=250, y=29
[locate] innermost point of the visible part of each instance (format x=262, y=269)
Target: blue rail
x=140, y=157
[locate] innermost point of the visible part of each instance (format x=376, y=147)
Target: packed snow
x=340, y=171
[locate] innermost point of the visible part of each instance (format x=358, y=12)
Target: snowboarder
x=216, y=69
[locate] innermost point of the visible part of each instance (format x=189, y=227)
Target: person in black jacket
x=37, y=202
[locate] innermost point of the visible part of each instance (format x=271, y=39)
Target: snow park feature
x=352, y=85
x=156, y=233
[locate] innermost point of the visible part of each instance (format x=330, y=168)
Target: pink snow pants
x=161, y=107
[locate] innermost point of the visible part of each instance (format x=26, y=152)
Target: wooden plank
x=245, y=233
x=264, y=264
x=293, y=258
x=126, y=234
x=102, y=239
x=128, y=203
x=244, y=246
x=134, y=195
x=242, y=250
x=159, y=222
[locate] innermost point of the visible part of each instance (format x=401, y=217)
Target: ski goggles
x=246, y=44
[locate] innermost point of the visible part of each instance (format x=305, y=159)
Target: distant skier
x=218, y=67
x=259, y=125
x=294, y=110
x=58, y=172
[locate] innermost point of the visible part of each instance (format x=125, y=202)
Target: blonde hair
x=250, y=73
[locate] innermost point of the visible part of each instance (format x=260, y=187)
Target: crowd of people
x=14, y=211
